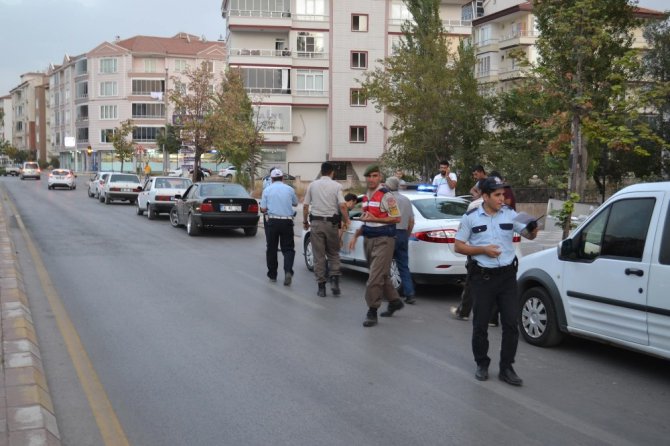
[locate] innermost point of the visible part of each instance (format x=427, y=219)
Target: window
x=145, y=133
x=81, y=89
x=359, y=23
x=664, y=256
x=262, y=8
x=311, y=7
x=106, y=135
x=108, y=88
x=108, y=112
x=357, y=98
x=273, y=119
x=144, y=87
x=619, y=231
x=180, y=65
x=81, y=67
x=310, y=82
x=266, y=80
x=82, y=134
x=82, y=113
x=358, y=133
x=359, y=59
x=149, y=65
x=148, y=110
x=309, y=44
x=210, y=66
x=19, y=126
x=399, y=12
x=108, y=65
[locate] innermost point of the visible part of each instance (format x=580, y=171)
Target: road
x=193, y=345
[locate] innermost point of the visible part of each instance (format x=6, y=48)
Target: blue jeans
x=401, y=256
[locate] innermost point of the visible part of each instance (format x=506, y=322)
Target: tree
x=194, y=102
x=124, y=148
x=430, y=93
x=168, y=141
x=236, y=128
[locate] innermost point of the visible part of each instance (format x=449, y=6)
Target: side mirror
x=177, y=197
x=565, y=249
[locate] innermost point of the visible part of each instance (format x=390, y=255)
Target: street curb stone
x=27, y=416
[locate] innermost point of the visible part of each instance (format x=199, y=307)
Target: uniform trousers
x=325, y=238
x=279, y=232
x=401, y=256
x=379, y=254
x=488, y=290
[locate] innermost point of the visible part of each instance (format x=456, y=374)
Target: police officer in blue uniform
x=486, y=235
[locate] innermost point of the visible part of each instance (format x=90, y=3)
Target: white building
x=6, y=122
x=301, y=62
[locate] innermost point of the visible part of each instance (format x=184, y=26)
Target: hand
x=305, y=224
x=352, y=243
x=492, y=250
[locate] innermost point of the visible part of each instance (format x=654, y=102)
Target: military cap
x=370, y=169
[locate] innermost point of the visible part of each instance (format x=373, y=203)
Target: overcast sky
x=35, y=33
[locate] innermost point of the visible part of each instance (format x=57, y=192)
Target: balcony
x=259, y=20
x=508, y=74
x=486, y=45
x=457, y=26
x=487, y=76
x=518, y=38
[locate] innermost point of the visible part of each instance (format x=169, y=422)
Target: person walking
x=445, y=181
x=402, y=232
x=147, y=171
x=328, y=212
x=486, y=234
x=380, y=215
x=277, y=201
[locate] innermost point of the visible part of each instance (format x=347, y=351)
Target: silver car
x=158, y=195
x=96, y=182
x=120, y=186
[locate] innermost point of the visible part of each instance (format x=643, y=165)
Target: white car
x=228, y=172
x=158, y=195
x=96, y=182
x=61, y=178
x=120, y=186
x=432, y=257
x=30, y=169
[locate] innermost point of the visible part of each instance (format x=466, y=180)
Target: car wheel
x=139, y=209
x=101, y=198
x=107, y=199
x=49, y=187
x=74, y=186
x=90, y=195
x=174, y=219
x=394, y=274
x=21, y=178
x=538, y=321
x=250, y=232
x=191, y=228
x=309, y=254
x=151, y=212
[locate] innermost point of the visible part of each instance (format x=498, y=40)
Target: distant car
x=62, y=178
x=228, y=172
x=30, y=169
x=14, y=171
x=432, y=256
x=158, y=195
x=287, y=177
x=215, y=205
x=120, y=186
x=96, y=182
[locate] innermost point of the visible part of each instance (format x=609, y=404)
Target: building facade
x=6, y=121
x=29, y=114
x=302, y=62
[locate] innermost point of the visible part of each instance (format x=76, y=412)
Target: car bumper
x=226, y=221
x=61, y=183
x=162, y=206
x=121, y=195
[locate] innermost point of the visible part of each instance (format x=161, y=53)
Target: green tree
x=168, y=141
x=236, y=128
x=430, y=93
x=123, y=146
x=194, y=102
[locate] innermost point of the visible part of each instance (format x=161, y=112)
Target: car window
x=619, y=231
x=190, y=192
x=437, y=208
x=664, y=256
x=31, y=166
x=118, y=178
x=178, y=183
x=60, y=172
x=222, y=190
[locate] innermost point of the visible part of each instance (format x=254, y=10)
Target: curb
x=27, y=415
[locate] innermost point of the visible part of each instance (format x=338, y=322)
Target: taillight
x=437, y=236
x=115, y=189
x=69, y=175
x=206, y=207
x=516, y=238
x=163, y=198
x=138, y=189
x=50, y=175
x=253, y=208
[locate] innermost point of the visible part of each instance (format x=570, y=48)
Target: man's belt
x=279, y=217
x=494, y=271
x=319, y=218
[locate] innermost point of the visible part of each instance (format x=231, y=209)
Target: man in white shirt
x=445, y=181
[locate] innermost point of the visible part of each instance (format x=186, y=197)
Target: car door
x=180, y=205
x=192, y=200
x=605, y=284
x=357, y=255
x=143, y=196
x=658, y=298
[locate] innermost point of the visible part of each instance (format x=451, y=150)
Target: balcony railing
x=261, y=52
x=451, y=22
x=267, y=90
x=149, y=116
x=486, y=42
x=519, y=34
x=487, y=73
x=310, y=18
x=259, y=13
x=312, y=93
x=311, y=54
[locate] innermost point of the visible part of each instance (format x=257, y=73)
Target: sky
x=35, y=33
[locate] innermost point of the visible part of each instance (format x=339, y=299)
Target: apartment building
x=302, y=61
x=29, y=110
x=6, y=122
x=93, y=93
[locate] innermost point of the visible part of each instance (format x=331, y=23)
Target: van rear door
x=658, y=299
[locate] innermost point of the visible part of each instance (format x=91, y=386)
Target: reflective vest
x=374, y=204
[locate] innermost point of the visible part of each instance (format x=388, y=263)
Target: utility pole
x=166, y=160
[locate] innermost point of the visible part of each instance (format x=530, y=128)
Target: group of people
x=485, y=236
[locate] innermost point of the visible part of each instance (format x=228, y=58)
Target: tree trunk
x=578, y=159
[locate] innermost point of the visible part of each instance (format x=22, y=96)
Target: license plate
x=126, y=189
x=230, y=208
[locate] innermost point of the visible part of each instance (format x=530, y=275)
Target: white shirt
x=443, y=188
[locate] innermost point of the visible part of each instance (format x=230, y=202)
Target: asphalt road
x=194, y=346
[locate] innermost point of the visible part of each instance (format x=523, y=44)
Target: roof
x=180, y=44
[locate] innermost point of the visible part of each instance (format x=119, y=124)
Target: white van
x=609, y=280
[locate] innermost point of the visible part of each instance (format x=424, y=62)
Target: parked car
x=14, y=171
x=158, y=195
x=95, y=184
x=228, y=172
x=432, y=257
x=215, y=205
x=607, y=281
x=62, y=178
x=120, y=186
x=30, y=169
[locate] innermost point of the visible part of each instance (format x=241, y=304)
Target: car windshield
x=172, y=183
x=31, y=166
x=124, y=179
x=222, y=190
x=437, y=208
x=60, y=172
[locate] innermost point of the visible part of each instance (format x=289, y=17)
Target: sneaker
x=410, y=300
x=456, y=315
x=392, y=308
x=287, y=279
x=510, y=377
x=370, y=318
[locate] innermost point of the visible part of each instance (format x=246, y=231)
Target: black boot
x=322, y=289
x=335, y=285
x=392, y=308
x=370, y=318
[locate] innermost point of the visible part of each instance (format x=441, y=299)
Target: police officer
x=328, y=210
x=277, y=201
x=380, y=215
x=402, y=232
x=486, y=235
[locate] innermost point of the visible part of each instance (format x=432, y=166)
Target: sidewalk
x=27, y=415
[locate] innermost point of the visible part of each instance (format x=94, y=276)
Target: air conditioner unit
x=296, y=139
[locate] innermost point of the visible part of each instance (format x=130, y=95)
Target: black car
x=215, y=205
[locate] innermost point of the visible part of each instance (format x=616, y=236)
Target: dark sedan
x=215, y=205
